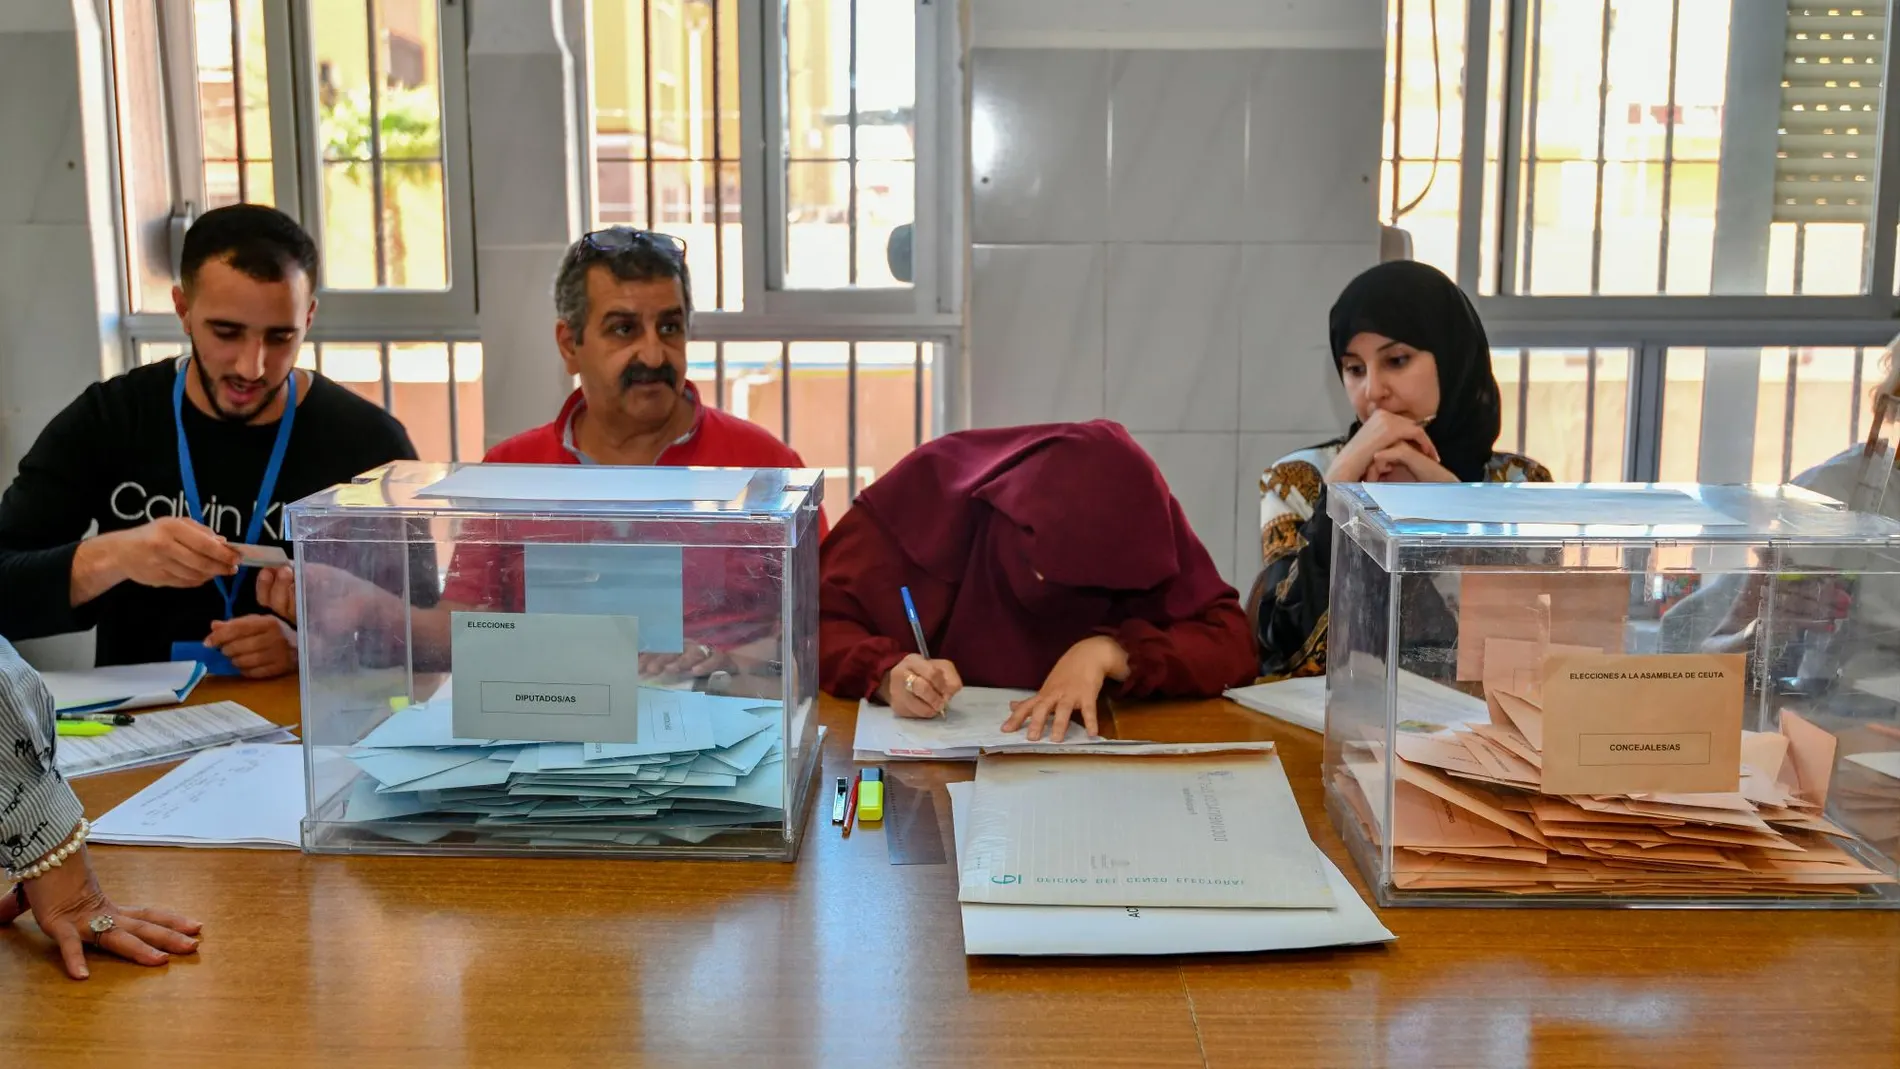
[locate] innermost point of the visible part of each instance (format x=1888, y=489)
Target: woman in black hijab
x=1416, y=366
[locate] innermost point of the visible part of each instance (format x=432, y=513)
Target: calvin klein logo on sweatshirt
x=130, y=502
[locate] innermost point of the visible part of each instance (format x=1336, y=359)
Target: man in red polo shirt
x=623, y=301
x=624, y=306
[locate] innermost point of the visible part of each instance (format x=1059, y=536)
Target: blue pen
x=916, y=627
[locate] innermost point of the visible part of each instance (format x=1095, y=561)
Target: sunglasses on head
x=621, y=238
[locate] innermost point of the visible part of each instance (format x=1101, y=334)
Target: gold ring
x=910, y=683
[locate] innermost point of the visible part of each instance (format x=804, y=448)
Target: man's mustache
x=638, y=374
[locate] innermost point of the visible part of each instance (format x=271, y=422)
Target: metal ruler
x=911, y=829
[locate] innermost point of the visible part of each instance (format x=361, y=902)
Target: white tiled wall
x=1036, y=354
x=1159, y=234
x=55, y=234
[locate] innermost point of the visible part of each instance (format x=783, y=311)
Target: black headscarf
x=1416, y=304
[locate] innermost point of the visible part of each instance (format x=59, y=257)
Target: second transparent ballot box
x=1614, y=695
x=516, y=659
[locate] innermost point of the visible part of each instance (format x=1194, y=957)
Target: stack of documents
x=1058, y=852
x=123, y=686
x=1611, y=774
x=248, y=795
x=705, y=763
x=165, y=735
x=970, y=725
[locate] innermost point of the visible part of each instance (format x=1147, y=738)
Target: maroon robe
x=1016, y=544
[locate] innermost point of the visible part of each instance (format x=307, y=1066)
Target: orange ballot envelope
x=1574, y=608
x=1643, y=723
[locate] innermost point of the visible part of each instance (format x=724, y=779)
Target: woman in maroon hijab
x=1049, y=558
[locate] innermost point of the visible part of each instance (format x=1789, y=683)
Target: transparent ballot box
x=1614, y=695
x=512, y=659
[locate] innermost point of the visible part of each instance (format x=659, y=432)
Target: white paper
x=124, y=686
x=254, y=556
x=548, y=676
x=1300, y=702
x=1526, y=503
x=161, y=736
x=972, y=722
x=1219, y=830
x=644, y=582
x=247, y=795
x=1887, y=686
x=1036, y=930
x=1885, y=762
x=590, y=482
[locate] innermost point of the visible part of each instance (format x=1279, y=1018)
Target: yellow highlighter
x=870, y=795
x=81, y=728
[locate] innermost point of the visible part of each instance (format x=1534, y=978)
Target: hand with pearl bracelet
x=63, y=895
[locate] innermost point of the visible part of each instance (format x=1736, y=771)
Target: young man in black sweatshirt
x=177, y=461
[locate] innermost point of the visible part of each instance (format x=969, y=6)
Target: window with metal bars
x=815, y=253
x=852, y=409
x=797, y=146
x=433, y=387
x=336, y=111
x=831, y=208
x=1670, y=214
x=333, y=111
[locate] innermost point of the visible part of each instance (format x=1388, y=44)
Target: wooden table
x=844, y=959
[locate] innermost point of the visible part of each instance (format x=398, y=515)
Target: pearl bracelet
x=58, y=856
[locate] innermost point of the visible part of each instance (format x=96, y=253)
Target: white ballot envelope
x=550, y=677
x=1201, y=830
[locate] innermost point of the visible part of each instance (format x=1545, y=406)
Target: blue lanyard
x=229, y=589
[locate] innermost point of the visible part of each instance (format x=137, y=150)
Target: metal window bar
x=1787, y=422
x=1590, y=409
x=1596, y=218
x=1528, y=215
x=1800, y=256
x=1669, y=148
x=389, y=382
x=1642, y=429
x=851, y=166
x=1398, y=107
x=719, y=374
x=237, y=102
x=646, y=101
x=1476, y=135
x=1523, y=396
x=455, y=437
x=785, y=391
x=851, y=421
x=719, y=200
x=917, y=398
x=1854, y=399
x=376, y=142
